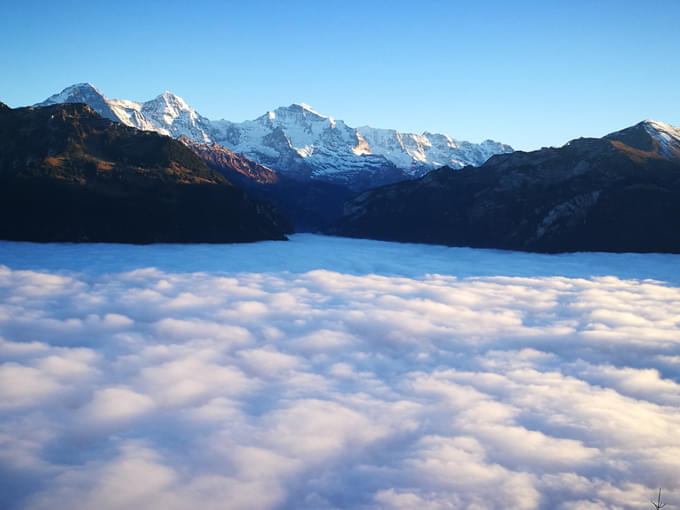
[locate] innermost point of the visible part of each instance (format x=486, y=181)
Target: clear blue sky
x=525, y=73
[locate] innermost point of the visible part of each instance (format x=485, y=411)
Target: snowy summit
x=295, y=139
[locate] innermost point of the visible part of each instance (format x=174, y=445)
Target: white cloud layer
x=407, y=388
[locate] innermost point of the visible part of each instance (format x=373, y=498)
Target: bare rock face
x=617, y=193
x=229, y=163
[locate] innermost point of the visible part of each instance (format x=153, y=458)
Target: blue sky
x=529, y=74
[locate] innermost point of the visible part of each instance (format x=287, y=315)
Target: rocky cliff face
x=67, y=174
x=233, y=166
x=296, y=140
x=617, y=193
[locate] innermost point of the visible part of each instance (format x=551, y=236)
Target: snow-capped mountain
x=167, y=114
x=668, y=137
x=299, y=141
x=84, y=93
x=421, y=153
x=663, y=138
x=296, y=139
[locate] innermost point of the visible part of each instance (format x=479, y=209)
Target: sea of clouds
x=328, y=373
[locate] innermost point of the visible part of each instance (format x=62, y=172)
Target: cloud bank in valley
x=316, y=390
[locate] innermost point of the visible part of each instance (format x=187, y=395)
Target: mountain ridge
x=618, y=193
x=296, y=139
x=69, y=174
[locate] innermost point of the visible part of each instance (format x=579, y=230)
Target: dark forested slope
x=67, y=174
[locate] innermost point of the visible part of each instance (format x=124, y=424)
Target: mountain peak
x=650, y=136
x=661, y=127
x=83, y=93
x=76, y=93
x=667, y=136
x=85, y=86
x=168, y=95
x=297, y=139
x=294, y=111
x=304, y=108
x=169, y=98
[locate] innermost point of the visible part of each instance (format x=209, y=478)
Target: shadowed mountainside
x=311, y=205
x=67, y=174
x=617, y=193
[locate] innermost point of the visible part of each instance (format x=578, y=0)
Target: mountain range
x=67, y=174
x=295, y=140
x=616, y=193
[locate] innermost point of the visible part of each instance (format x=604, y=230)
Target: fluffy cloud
x=427, y=378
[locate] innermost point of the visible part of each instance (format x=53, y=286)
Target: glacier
x=327, y=373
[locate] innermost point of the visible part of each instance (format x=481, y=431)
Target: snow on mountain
x=178, y=118
x=167, y=114
x=421, y=153
x=330, y=145
x=296, y=139
x=652, y=137
x=83, y=93
x=668, y=137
